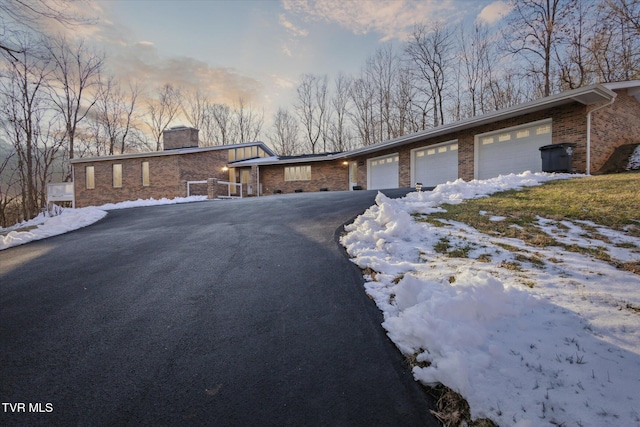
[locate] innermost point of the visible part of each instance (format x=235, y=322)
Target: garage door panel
x=435, y=165
x=511, y=150
x=383, y=172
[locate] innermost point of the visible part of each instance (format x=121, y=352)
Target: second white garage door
x=383, y=172
x=512, y=150
x=434, y=165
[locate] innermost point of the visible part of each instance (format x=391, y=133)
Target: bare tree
x=114, y=116
x=573, y=57
x=196, y=108
x=430, y=53
x=8, y=184
x=30, y=15
x=76, y=70
x=615, y=47
x=162, y=111
x=383, y=68
x=535, y=30
x=338, y=125
x=311, y=107
x=475, y=53
x=284, y=136
x=222, y=127
x=363, y=114
x=506, y=89
x=627, y=10
x=247, y=122
x=25, y=94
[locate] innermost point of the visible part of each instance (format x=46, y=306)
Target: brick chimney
x=180, y=137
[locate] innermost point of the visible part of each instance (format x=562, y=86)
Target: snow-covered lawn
x=71, y=219
x=528, y=336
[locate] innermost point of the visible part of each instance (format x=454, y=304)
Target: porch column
x=212, y=188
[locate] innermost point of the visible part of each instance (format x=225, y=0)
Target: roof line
x=179, y=151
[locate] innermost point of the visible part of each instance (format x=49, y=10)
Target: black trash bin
x=557, y=157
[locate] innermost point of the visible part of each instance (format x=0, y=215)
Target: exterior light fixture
x=419, y=187
x=224, y=169
x=345, y=163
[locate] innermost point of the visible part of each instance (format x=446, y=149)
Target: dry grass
x=453, y=410
x=609, y=200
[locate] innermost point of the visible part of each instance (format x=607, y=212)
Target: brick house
x=176, y=171
x=597, y=119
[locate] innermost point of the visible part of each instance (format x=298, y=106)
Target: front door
x=353, y=175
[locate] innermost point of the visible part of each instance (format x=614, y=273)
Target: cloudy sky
x=258, y=49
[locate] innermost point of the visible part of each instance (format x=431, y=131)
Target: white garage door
x=435, y=165
x=383, y=172
x=512, y=150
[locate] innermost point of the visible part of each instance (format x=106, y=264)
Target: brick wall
x=167, y=176
x=568, y=125
x=333, y=175
x=613, y=126
x=203, y=165
x=163, y=178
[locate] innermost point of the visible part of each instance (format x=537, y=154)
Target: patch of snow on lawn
x=634, y=160
x=528, y=335
x=73, y=219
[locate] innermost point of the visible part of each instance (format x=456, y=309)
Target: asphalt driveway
x=242, y=312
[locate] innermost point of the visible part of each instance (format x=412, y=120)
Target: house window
x=297, y=173
x=91, y=180
x=232, y=155
x=542, y=130
x=145, y=174
x=117, y=175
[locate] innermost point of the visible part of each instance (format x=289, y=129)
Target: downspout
x=588, y=171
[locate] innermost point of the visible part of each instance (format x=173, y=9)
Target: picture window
x=297, y=173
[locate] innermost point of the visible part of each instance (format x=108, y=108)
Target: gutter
x=588, y=171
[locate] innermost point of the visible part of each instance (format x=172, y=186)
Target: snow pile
x=71, y=219
x=151, y=202
x=527, y=335
x=634, y=160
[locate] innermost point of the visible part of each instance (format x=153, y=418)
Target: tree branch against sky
x=20, y=15
x=629, y=10
x=161, y=112
x=77, y=69
x=534, y=31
